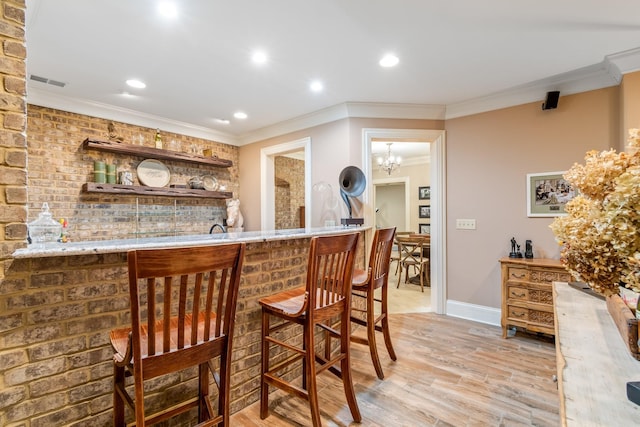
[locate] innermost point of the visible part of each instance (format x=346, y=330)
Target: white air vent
x=47, y=81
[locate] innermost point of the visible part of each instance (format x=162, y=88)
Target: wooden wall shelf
x=153, y=153
x=135, y=190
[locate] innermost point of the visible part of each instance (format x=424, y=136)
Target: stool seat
x=359, y=278
x=121, y=338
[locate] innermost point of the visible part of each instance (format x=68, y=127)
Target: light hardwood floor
x=407, y=298
x=449, y=372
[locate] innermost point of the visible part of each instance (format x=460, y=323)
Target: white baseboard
x=477, y=313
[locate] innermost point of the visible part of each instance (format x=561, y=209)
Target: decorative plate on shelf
x=153, y=173
x=210, y=183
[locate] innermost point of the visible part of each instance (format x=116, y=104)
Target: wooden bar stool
x=325, y=300
x=183, y=303
x=364, y=285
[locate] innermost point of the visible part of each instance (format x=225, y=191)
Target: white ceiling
x=198, y=67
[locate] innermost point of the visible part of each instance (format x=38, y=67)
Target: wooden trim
x=153, y=153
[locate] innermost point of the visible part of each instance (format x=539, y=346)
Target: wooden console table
x=594, y=364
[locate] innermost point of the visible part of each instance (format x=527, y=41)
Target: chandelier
x=389, y=163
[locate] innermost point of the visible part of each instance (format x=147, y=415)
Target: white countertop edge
x=124, y=245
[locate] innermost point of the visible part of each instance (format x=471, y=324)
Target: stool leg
x=371, y=335
x=384, y=310
x=224, y=392
x=309, y=368
x=345, y=368
x=264, y=387
x=118, y=402
x=203, y=393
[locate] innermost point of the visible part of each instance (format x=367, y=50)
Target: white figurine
x=234, y=216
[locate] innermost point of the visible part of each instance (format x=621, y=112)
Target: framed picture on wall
x=424, y=211
x=424, y=193
x=547, y=194
x=424, y=228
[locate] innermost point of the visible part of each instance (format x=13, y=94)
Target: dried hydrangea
x=600, y=235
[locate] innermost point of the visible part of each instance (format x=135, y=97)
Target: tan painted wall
x=630, y=105
x=488, y=158
x=328, y=158
x=333, y=147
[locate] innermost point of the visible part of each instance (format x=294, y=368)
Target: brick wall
x=289, y=192
x=59, y=166
x=13, y=144
x=56, y=366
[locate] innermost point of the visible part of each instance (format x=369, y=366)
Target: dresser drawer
x=516, y=273
x=518, y=313
x=549, y=276
x=531, y=316
x=518, y=293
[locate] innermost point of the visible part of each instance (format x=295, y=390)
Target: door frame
x=438, y=200
x=267, y=180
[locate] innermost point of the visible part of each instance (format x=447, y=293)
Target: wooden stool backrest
x=329, y=274
x=176, y=288
x=380, y=257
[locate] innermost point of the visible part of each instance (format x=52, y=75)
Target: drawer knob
x=518, y=295
x=518, y=314
x=518, y=276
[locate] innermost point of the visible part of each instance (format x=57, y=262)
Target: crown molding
x=347, y=110
x=584, y=79
x=624, y=62
x=47, y=99
x=605, y=74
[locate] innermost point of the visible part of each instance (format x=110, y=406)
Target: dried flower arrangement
x=600, y=235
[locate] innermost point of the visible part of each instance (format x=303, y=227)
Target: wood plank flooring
x=449, y=372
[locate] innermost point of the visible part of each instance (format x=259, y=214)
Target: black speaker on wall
x=552, y=100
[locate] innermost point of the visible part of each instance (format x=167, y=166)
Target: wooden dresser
x=527, y=296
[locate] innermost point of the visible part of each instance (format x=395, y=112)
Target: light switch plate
x=465, y=224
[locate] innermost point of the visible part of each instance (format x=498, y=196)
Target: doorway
x=301, y=150
x=436, y=140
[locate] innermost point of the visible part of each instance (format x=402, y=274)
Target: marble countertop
x=123, y=245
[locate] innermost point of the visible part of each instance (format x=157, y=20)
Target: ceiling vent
x=47, y=81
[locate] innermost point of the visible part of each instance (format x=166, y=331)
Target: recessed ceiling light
x=168, y=9
x=136, y=83
x=259, y=57
x=240, y=115
x=389, y=60
x=316, y=86
x=222, y=121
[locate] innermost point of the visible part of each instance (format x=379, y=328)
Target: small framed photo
x=424, y=193
x=424, y=228
x=424, y=211
x=547, y=194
